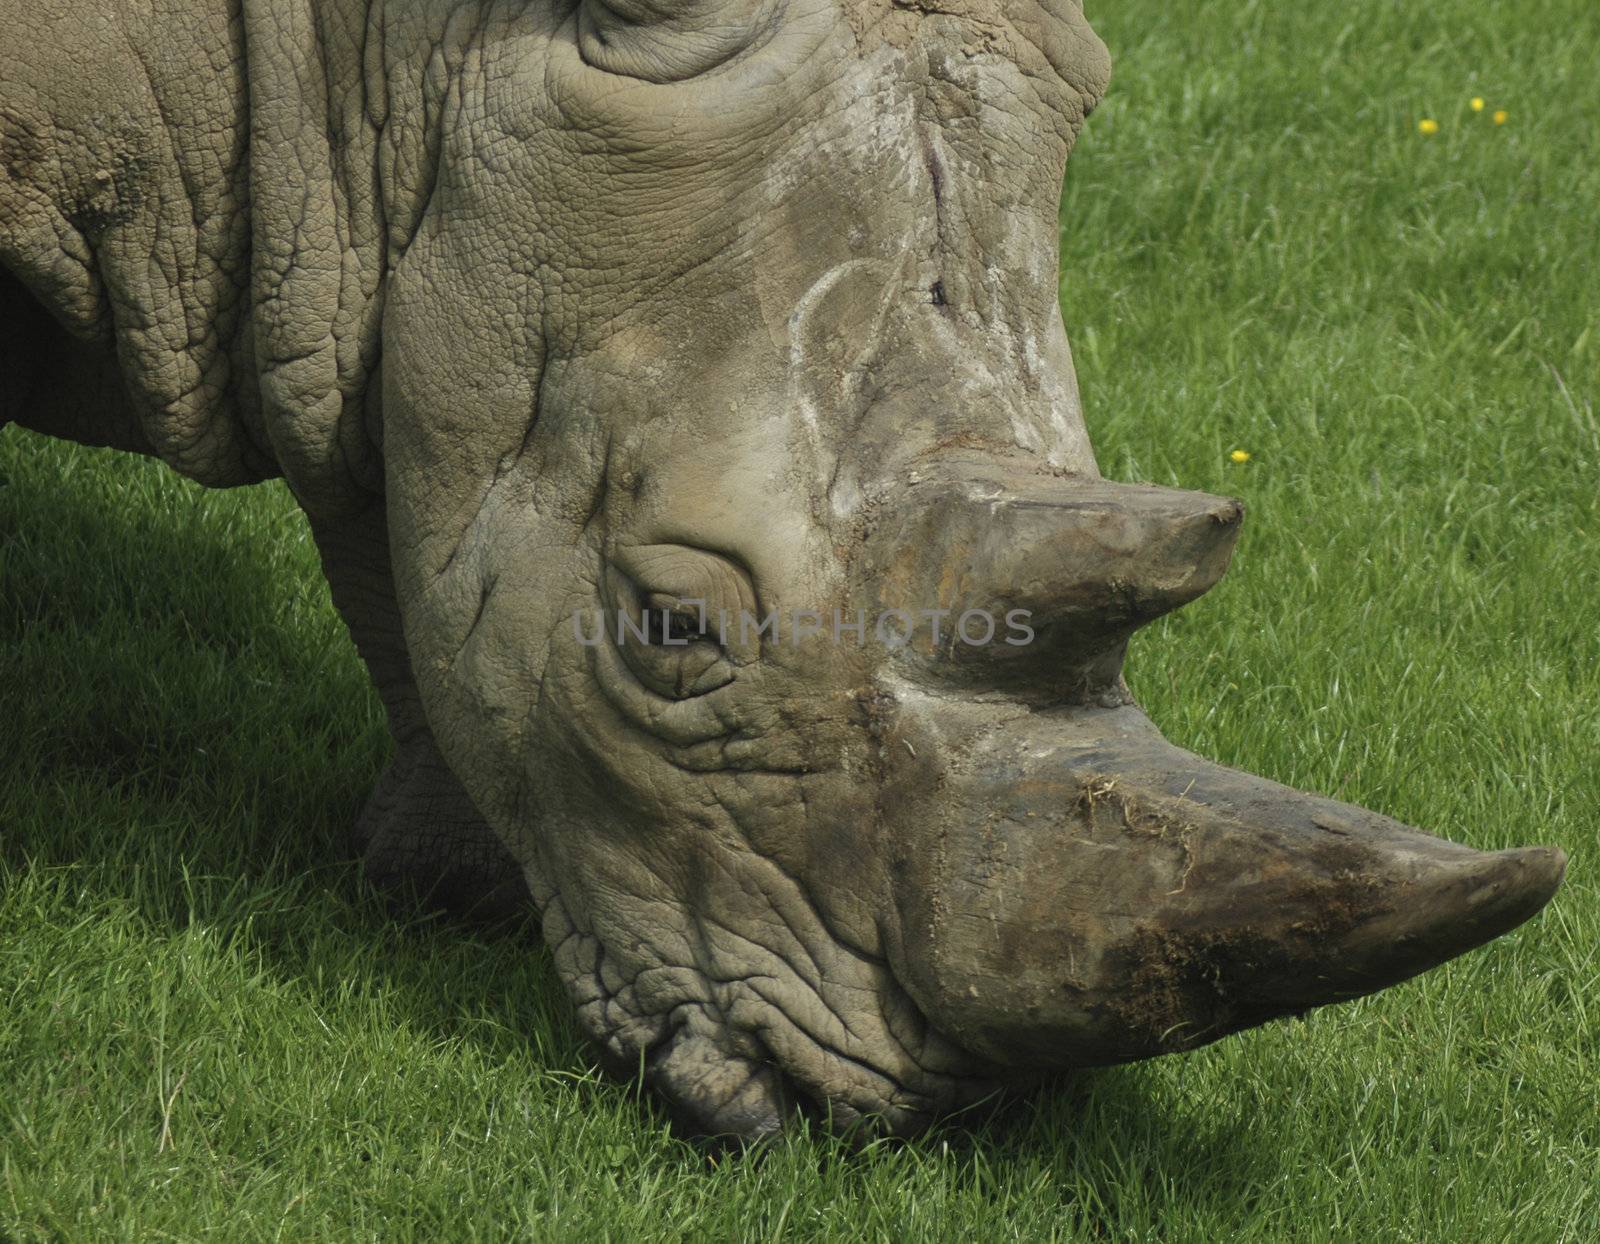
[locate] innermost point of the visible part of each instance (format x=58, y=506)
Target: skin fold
x=662, y=311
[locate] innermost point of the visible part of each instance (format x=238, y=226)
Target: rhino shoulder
x=124, y=227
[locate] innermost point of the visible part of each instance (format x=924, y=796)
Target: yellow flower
x=1477, y=103
x=1500, y=117
x=1240, y=455
x=1428, y=125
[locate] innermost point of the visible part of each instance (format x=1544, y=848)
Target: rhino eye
x=668, y=603
x=671, y=622
x=671, y=646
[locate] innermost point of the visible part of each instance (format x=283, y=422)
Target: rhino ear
x=668, y=40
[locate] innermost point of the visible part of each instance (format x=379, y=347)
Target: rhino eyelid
x=724, y=580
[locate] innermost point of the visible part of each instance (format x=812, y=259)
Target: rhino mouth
x=753, y=1039
x=785, y=1078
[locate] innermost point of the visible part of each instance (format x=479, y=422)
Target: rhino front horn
x=1088, y=893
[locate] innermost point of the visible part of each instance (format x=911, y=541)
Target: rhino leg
x=420, y=837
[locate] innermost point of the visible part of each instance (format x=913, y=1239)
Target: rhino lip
x=756, y=1095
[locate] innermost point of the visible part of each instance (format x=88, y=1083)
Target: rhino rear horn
x=1082, y=562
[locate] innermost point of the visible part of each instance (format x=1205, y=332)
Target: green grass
x=208, y=1028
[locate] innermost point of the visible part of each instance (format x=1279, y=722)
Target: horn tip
x=1525, y=879
x=1488, y=897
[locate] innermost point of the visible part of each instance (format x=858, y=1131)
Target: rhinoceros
x=679, y=398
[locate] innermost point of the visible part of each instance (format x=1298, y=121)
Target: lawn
x=209, y=1029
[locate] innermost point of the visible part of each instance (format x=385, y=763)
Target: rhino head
x=761, y=588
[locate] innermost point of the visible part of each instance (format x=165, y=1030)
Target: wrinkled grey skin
x=546, y=308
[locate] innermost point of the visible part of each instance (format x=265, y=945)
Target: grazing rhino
x=679, y=398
